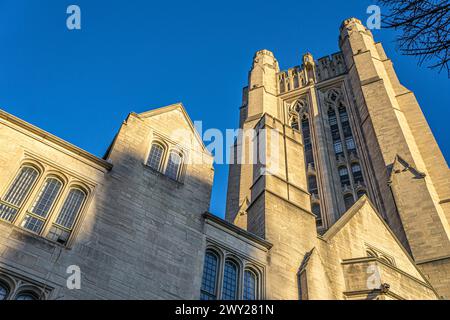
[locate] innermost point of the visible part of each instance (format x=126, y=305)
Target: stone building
x=356, y=207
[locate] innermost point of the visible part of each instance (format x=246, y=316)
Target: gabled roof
x=176, y=106
x=356, y=209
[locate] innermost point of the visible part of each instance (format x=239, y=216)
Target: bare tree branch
x=425, y=27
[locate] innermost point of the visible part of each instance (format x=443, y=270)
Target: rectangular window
x=338, y=147
x=350, y=143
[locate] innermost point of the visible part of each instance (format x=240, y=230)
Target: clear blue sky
x=138, y=55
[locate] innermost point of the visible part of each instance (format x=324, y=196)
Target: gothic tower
x=336, y=129
x=411, y=179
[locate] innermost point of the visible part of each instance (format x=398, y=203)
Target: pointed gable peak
x=171, y=108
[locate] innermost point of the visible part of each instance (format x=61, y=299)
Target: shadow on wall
x=141, y=237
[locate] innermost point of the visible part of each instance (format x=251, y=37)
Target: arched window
x=17, y=192
x=209, y=280
x=174, y=165
x=37, y=215
x=348, y=200
x=155, y=158
x=4, y=291
x=63, y=226
x=250, y=285
x=230, y=277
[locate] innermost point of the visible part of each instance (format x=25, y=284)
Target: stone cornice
x=254, y=238
x=34, y=131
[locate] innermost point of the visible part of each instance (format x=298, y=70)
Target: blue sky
x=139, y=55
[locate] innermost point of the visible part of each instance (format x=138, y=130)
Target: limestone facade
x=353, y=203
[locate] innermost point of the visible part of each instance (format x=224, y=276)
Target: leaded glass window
x=155, y=157
x=173, y=165
x=64, y=223
x=209, y=280
x=338, y=147
x=17, y=193
x=230, y=277
x=250, y=285
x=343, y=174
x=34, y=221
x=350, y=143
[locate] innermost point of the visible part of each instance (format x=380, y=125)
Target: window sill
x=31, y=237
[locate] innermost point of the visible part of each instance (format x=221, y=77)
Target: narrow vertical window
x=315, y=208
x=63, y=226
x=230, y=276
x=17, y=193
x=250, y=285
x=338, y=147
x=357, y=173
x=37, y=215
x=155, y=157
x=343, y=114
x=345, y=178
x=173, y=165
x=209, y=280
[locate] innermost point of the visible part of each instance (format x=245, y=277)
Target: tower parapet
x=311, y=71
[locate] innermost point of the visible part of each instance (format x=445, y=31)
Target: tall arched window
x=230, y=277
x=37, y=215
x=250, y=285
x=63, y=226
x=155, y=158
x=3, y=291
x=209, y=280
x=174, y=165
x=17, y=192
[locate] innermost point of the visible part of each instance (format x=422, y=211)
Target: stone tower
x=410, y=175
x=338, y=128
